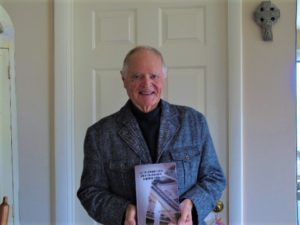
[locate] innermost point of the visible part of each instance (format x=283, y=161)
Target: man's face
x=144, y=80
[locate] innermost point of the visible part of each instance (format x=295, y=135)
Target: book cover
x=157, y=194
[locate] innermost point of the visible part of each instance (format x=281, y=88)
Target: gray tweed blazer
x=115, y=144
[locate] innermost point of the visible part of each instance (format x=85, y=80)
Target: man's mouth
x=146, y=92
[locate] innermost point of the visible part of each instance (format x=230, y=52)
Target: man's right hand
x=130, y=217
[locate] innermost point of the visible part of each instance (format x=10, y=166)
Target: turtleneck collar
x=149, y=116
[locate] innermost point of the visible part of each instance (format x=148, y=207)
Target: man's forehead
x=143, y=54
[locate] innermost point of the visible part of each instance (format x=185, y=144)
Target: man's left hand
x=186, y=207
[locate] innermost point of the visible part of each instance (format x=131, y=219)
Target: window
x=298, y=138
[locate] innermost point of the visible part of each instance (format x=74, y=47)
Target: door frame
x=65, y=190
x=7, y=41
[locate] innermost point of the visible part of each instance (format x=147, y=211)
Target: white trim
x=235, y=120
x=7, y=41
x=14, y=131
x=64, y=118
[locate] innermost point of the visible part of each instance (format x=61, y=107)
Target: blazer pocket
x=118, y=165
x=186, y=155
x=121, y=177
x=187, y=163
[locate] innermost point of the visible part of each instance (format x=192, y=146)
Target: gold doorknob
x=219, y=207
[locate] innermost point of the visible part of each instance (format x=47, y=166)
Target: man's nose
x=146, y=80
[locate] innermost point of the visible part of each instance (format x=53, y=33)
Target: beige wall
x=270, y=118
x=34, y=90
x=269, y=113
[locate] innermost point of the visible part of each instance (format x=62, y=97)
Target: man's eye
x=154, y=76
x=136, y=77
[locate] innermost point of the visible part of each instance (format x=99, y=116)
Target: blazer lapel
x=169, y=126
x=131, y=134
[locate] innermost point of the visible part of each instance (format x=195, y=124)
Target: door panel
x=190, y=34
x=187, y=89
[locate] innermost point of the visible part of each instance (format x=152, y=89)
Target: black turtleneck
x=149, y=124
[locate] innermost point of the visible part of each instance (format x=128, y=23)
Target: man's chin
x=148, y=107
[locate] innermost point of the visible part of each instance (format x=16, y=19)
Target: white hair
x=140, y=48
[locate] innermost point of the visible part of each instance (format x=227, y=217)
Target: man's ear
x=123, y=79
x=122, y=75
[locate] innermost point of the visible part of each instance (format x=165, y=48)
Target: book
x=157, y=194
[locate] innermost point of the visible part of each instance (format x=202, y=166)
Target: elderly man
x=147, y=130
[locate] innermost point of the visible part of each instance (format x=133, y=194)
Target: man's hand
x=186, y=207
x=130, y=217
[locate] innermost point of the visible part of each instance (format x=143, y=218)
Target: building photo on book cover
x=157, y=194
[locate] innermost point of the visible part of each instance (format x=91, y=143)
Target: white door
x=6, y=166
x=191, y=35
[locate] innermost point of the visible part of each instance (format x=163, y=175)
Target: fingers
x=186, y=212
x=130, y=217
x=185, y=221
x=185, y=218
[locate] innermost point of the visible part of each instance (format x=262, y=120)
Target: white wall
x=269, y=113
x=34, y=91
x=270, y=118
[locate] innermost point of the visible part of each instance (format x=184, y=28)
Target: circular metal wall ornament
x=265, y=16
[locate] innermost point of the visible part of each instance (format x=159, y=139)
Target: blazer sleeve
x=93, y=192
x=211, y=181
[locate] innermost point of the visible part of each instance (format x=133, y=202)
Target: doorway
x=64, y=133
x=8, y=127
